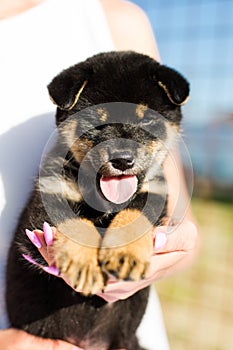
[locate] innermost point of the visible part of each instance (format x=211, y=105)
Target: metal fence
x=196, y=38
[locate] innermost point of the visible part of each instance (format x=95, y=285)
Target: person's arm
x=179, y=207
x=9, y=8
x=130, y=27
x=14, y=339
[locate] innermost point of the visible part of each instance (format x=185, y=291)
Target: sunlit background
x=196, y=38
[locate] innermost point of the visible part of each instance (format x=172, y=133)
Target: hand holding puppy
x=172, y=246
x=14, y=339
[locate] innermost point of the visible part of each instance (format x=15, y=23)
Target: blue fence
x=196, y=37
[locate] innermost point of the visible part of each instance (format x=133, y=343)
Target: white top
x=35, y=46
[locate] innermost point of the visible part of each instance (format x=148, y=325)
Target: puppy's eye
x=147, y=121
x=150, y=126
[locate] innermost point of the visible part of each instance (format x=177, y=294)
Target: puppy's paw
x=127, y=246
x=78, y=263
x=124, y=263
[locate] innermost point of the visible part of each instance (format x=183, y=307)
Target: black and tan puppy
x=102, y=187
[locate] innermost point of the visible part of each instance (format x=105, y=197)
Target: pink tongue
x=118, y=189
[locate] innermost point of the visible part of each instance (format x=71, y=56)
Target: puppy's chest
x=100, y=219
x=103, y=220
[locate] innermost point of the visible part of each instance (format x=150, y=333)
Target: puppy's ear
x=66, y=88
x=174, y=85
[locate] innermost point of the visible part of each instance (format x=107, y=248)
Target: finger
x=48, y=234
x=172, y=254
x=53, y=270
x=182, y=237
x=30, y=259
x=44, y=249
x=37, y=238
x=37, y=343
x=47, y=239
x=34, y=238
x=12, y=339
x=160, y=239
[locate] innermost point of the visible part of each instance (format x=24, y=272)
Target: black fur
x=43, y=304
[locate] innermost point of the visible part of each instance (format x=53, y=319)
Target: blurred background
x=196, y=38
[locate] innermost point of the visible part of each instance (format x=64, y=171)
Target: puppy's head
x=119, y=112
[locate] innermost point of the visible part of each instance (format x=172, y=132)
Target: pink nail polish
x=33, y=238
x=53, y=270
x=48, y=233
x=30, y=259
x=160, y=240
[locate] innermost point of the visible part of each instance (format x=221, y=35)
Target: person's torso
x=35, y=46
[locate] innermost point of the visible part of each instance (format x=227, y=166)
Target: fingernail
x=48, y=233
x=170, y=229
x=53, y=270
x=33, y=238
x=30, y=259
x=160, y=240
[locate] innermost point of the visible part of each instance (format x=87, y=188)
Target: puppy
x=102, y=186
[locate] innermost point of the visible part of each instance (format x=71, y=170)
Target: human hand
x=14, y=339
x=174, y=247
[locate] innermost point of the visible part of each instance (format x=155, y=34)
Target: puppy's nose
x=122, y=160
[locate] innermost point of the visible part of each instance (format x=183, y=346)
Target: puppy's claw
x=123, y=266
x=79, y=266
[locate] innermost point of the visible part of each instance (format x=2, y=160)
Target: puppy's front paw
x=124, y=263
x=127, y=246
x=78, y=263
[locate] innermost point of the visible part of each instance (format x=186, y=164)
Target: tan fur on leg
x=127, y=245
x=75, y=249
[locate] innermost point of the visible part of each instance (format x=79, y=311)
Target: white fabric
x=151, y=332
x=35, y=46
